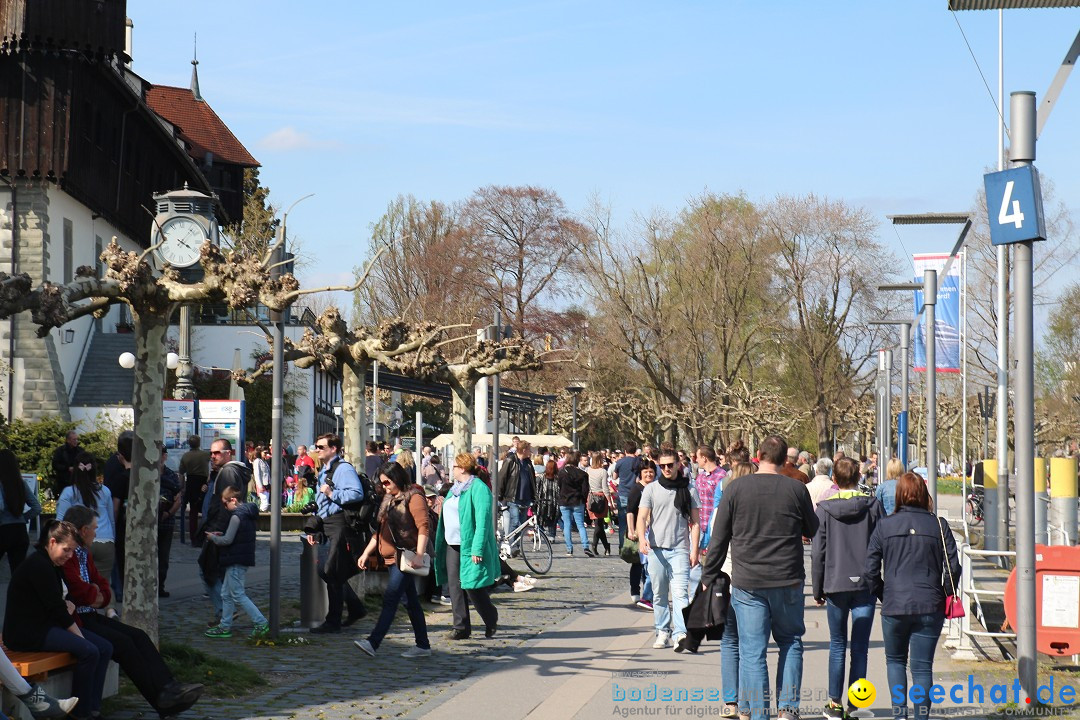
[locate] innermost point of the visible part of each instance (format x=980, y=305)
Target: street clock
x=184, y=221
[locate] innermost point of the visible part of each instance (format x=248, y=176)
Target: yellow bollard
x=1063, y=501
x=991, y=506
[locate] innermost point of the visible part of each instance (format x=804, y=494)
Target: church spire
x=195, y=71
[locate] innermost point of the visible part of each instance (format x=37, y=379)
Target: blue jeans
x=919, y=634
x=213, y=589
x=92, y=654
x=234, y=595
x=695, y=580
x=760, y=612
x=400, y=585
x=517, y=513
x=729, y=662
x=577, y=512
x=669, y=570
x=621, y=500
x=859, y=604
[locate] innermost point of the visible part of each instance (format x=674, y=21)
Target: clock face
x=180, y=241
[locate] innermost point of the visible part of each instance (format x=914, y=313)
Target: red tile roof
x=199, y=126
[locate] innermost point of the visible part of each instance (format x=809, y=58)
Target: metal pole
x=494, y=332
x=419, y=454
x=930, y=301
x=573, y=430
x=1001, y=533
x=277, y=443
x=375, y=402
x=185, y=388
x=1022, y=152
x=902, y=420
x=551, y=426
x=964, y=371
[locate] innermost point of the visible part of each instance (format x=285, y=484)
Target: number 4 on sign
x=1004, y=216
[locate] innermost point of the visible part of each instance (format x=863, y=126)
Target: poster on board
x=222, y=419
x=947, y=314
x=179, y=423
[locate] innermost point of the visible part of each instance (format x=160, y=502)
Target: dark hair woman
x=403, y=526
x=14, y=497
x=914, y=547
x=573, y=490
x=88, y=492
x=38, y=618
x=132, y=648
x=547, y=498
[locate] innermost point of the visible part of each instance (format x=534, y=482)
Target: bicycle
x=973, y=508
x=532, y=543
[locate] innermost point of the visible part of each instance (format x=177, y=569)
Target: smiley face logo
x=862, y=693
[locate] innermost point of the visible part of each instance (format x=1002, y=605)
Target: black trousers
x=164, y=546
x=600, y=534
x=193, y=496
x=338, y=593
x=14, y=542
x=134, y=652
x=459, y=598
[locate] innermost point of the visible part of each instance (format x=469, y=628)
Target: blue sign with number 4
x=1014, y=206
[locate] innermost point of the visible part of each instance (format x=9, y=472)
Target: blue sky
x=878, y=103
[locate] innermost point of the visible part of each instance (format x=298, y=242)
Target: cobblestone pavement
x=328, y=678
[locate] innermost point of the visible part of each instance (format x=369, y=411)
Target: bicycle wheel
x=973, y=512
x=536, y=551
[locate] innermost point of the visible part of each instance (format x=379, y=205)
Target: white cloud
x=288, y=139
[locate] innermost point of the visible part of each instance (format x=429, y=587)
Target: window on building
x=69, y=251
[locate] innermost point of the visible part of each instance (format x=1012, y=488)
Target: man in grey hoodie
x=845, y=523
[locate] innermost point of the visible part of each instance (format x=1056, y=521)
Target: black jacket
x=838, y=557
x=510, y=480
x=706, y=615
x=573, y=486
x=764, y=518
x=63, y=460
x=909, y=545
x=35, y=603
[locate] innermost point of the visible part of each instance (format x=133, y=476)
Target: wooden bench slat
x=37, y=663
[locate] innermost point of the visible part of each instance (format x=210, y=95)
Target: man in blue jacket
x=338, y=485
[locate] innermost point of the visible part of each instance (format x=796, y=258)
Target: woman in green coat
x=466, y=556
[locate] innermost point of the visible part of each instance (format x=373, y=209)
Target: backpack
x=360, y=515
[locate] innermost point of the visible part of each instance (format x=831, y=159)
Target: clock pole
x=185, y=388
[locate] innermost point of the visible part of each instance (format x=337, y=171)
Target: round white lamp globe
x=172, y=360
x=127, y=360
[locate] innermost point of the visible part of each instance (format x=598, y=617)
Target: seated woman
x=132, y=648
x=38, y=618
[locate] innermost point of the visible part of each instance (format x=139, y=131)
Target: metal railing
x=960, y=631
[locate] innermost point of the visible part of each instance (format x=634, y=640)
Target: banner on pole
x=947, y=312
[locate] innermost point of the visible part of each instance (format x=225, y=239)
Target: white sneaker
x=365, y=646
x=444, y=600
x=415, y=652
x=529, y=579
x=522, y=586
x=662, y=640
x=678, y=639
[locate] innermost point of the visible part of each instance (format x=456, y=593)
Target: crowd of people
x=685, y=522
x=724, y=521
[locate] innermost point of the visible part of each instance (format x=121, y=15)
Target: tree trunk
x=140, y=545
x=352, y=411
x=824, y=431
x=462, y=415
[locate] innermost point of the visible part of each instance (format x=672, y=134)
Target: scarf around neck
x=681, y=486
x=460, y=487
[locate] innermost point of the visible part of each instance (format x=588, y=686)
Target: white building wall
x=85, y=231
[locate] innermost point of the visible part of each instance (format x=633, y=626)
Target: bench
x=52, y=671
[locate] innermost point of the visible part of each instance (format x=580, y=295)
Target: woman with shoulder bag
x=599, y=502
x=921, y=569
x=401, y=543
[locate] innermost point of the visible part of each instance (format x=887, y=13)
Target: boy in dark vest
x=236, y=554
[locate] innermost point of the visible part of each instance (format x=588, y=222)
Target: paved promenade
x=568, y=649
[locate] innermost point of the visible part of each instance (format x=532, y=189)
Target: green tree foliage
x=258, y=400
x=34, y=442
x=436, y=418
x=257, y=228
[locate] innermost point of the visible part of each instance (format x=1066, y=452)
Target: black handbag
x=598, y=504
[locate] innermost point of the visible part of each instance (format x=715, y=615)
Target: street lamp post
x=574, y=389
x=905, y=361
x=276, y=431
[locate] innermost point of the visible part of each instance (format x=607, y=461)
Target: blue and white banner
x=947, y=311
